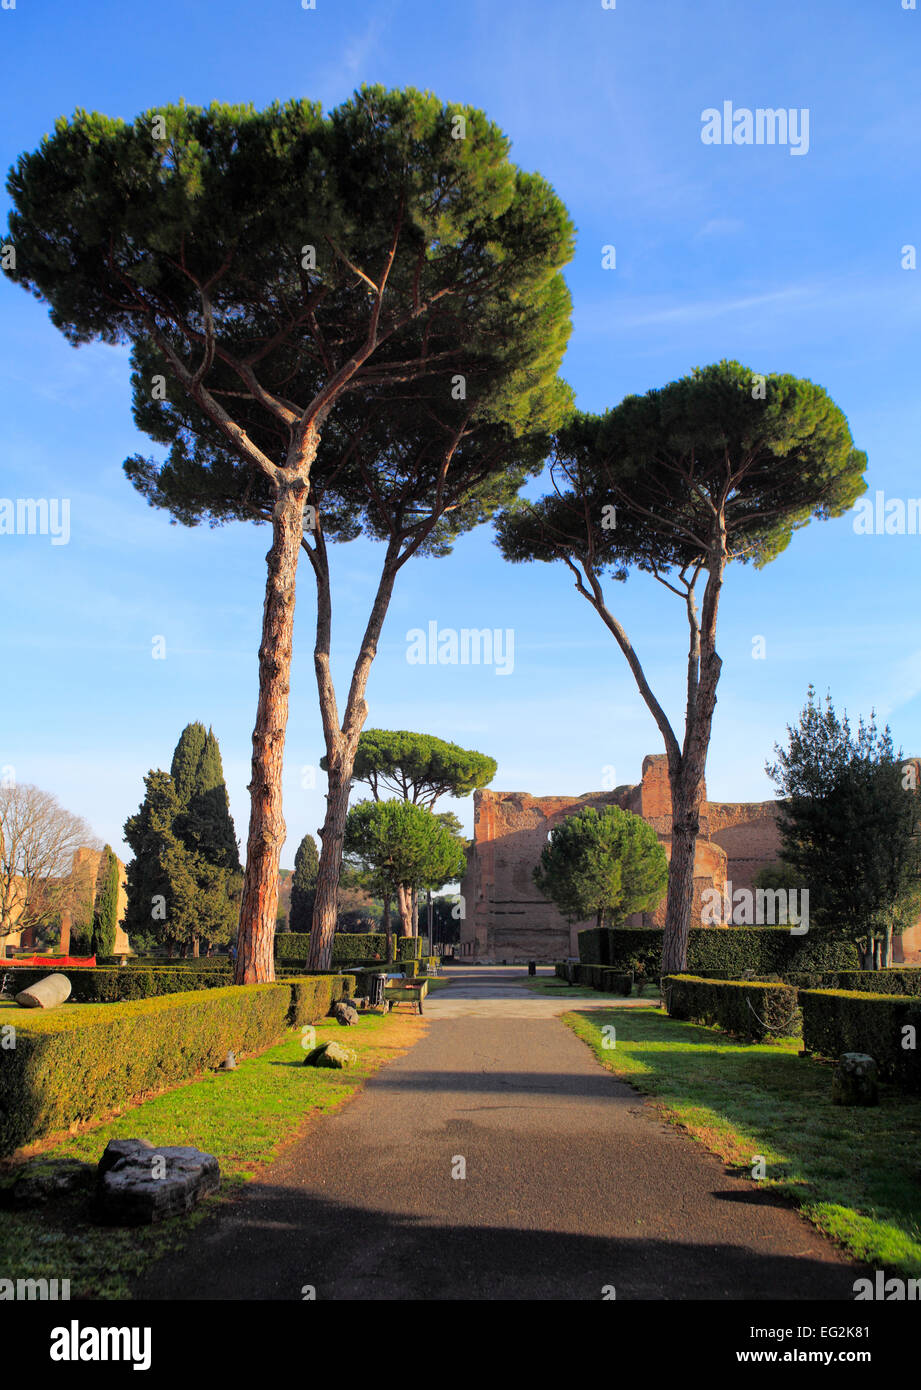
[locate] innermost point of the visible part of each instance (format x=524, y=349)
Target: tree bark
x=404, y=902
x=678, y=903
x=341, y=742
x=388, y=931
x=332, y=836
x=259, y=906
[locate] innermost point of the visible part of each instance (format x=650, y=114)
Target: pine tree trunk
x=686, y=789
x=388, y=930
x=404, y=902
x=326, y=902
x=259, y=906
x=341, y=743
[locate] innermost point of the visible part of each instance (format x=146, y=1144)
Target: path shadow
x=279, y=1241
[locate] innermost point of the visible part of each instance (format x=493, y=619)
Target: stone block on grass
x=138, y=1184
x=48, y=993
x=330, y=1054
x=854, y=1081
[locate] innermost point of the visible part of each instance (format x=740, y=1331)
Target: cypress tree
x=207, y=826
x=105, y=914
x=304, y=884
x=161, y=880
x=187, y=760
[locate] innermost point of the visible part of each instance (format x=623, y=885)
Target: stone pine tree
x=304, y=884
x=337, y=324
x=105, y=911
x=404, y=846
x=718, y=467
x=605, y=865
x=418, y=768
x=849, y=826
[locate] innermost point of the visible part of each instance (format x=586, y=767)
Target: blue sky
x=784, y=262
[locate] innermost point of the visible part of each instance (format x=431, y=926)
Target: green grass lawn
x=854, y=1172
x=559, y=989
x=551, y=984
x=436, y=982
x=243, y=1117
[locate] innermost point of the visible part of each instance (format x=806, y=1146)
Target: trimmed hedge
x=904, y=982
x=170, y=962
x=312, y=996
x=77, y=1063
x=733, y=950
x=838, y=1020
x=91, y=985
x=349, y=947
x=109, y=986
x=746, y=1008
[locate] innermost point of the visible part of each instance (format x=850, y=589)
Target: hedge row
x=169, y=962
x=111, y=986
x=605, y=978
x=746, y=1008
x=887, y=1026
x=76, y=1063
x=108, y=985
x=904, y=982
x=733, y=950
x=349, y=946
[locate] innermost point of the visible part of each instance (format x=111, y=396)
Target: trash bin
x=532, y=967
x=377, y=984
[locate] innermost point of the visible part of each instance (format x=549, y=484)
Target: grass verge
x=559, y=989
x=854, y=1172
x=244, y=1118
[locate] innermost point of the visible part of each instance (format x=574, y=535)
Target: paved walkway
x=572, y=1185
x=494, y=991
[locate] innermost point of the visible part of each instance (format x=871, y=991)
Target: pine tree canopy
x=418, y=767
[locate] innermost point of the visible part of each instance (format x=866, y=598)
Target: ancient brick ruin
x=507, y=919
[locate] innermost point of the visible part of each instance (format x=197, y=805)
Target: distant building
x=84, y=873
x=507, y=919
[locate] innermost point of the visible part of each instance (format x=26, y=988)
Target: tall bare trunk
x=326, y=900
x=388, y=930
x=679, y=902
x=341, y=743
x=259, y=905
x=404, y=902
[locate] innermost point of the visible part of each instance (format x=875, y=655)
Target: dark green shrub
x=907, y=982
x=313, y=995
x=616, y=981
x=717, y=950
x=836, y=1021
x=110, y=985
x=79, y=1062
x=747, y=1009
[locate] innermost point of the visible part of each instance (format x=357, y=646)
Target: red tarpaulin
x=54, y=962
